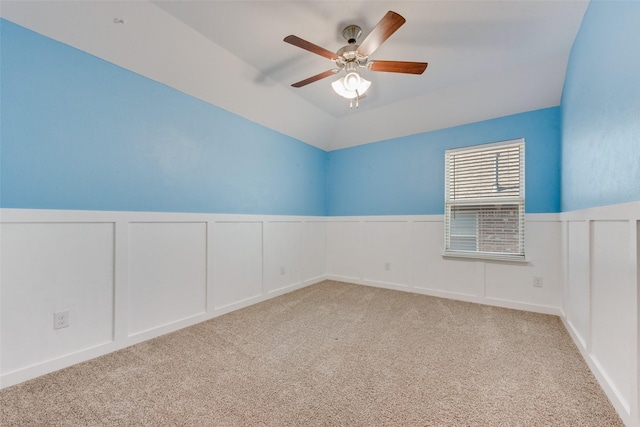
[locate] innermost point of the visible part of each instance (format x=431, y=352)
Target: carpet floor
x=332, y=354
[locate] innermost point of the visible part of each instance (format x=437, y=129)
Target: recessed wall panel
x=237, y=267
x=513, y=281
x=577, y=302
x=613, y=303
x=344, y=248
x=434, y=272
x=51, y=267
x=282, y=260
x=386, y=252
x=314, y=253
x=167, y=273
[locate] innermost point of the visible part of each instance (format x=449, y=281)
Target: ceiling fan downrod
x=351, y=33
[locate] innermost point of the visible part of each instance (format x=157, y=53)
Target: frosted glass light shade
x=341, y=88
x=352, y=81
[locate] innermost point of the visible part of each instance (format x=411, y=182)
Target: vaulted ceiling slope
x=486, y=59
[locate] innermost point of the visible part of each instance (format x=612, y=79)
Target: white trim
x=482, y=147
x=121, y=221
x=10, y=215
x=626, y=406
x=617, y=400
x=15, y=377
x=494, y=302
x=486, y=256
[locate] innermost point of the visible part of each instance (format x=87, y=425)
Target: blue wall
x=601, y=109
x=81, y=133
x=405, y=176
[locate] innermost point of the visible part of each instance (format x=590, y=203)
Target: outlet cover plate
x=61, y=319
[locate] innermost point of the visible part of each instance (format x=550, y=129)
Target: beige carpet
x=331, y=354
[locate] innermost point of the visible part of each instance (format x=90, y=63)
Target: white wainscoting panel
x=635, y=384
x=613, y=298
x=433, y=273
x=359, y=249
x=601, y=298
x=51, y=267
x=238, y=262
x=386, y=252
x=344, y=249
x=424, y=254
x=514, y=282
x=126, y=277
x=282, y=260
x=578, y=300
x=167, y=273
x=314, y=250
x=175, y=269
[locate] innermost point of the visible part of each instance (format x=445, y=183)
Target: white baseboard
x=555, y=311
x=12, y=378
x=614, y=395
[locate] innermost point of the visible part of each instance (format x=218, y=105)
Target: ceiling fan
x=354, y=56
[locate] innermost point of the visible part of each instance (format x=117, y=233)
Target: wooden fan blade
x=385, y=28
x=398, y=66
x=297, y=41
x=316, y=78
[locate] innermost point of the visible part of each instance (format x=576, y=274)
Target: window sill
x=486, y=257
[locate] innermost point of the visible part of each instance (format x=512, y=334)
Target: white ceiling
x=486, y=58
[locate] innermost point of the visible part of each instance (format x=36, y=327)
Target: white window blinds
x=484, y=200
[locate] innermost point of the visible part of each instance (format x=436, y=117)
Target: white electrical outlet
x=61, y=319
x=387, y=266
x=282, y=271
x=537, y=281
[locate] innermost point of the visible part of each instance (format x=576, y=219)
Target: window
x=484, y=201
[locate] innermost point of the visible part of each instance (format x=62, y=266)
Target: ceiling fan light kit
x=352, y=85
x=352, y=57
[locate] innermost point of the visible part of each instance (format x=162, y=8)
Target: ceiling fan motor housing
x=348, y=54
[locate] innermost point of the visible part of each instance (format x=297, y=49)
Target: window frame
x=475, y=205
